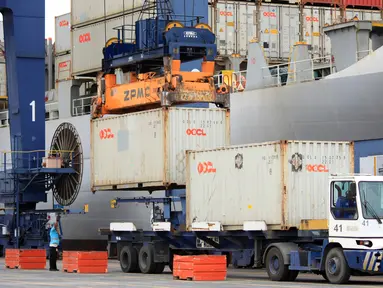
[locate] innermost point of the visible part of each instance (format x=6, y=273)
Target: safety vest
x=54, y=236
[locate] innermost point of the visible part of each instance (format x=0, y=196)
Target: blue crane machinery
x=28, y=170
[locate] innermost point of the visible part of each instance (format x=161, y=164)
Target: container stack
x=63, y=47
x=27, y=259
x=235, y=24
x=93, y=23
x=88, y=262
x=63, y=61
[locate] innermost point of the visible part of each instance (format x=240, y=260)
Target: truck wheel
x=146, y=260
x=129, y=259
x=160, y=267
x=337, y=270
x=275, y=267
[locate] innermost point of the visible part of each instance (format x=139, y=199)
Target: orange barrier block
x=85, y=262
x=28, y=259
x=200, y=267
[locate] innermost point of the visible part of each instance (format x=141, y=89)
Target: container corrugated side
x=63, y=68
x=148, y=148
x=280, y=183
x=234, y=24
x=307, y=189
x=3, y=80
x=88, y=42
x=63, y=34
x=86, y=11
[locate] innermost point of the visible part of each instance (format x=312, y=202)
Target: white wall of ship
x=3, y=79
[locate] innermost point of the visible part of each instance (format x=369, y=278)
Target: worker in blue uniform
x=53, y=247
x=347, y=205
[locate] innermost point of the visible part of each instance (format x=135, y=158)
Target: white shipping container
x=234, y=24
x=85, y=11
x=148, y=148
x=88, y=42
x=281, y=183
x=63, y=67
x=3, y=80
x=62, y=34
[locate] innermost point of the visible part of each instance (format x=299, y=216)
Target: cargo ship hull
x=341, y=109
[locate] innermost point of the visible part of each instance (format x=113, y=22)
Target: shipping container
x=88, y=42
x=147, y=149
x=86, y=11
x=363, y=3
x=63, y=34
x=234, y=24
x=63, y=67
x=3, y=80
x=281, y=183
x=331, y=2
x=364, y=149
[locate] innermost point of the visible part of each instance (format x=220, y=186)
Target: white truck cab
x=356, y=211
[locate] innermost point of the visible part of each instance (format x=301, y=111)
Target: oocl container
x=147, y=149
x=281, y=183
x=63, y=67
x=88, y=42
x=87, y=11
x=235, y=25
x=62, y=32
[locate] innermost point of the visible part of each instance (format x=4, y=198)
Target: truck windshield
x=371, y=195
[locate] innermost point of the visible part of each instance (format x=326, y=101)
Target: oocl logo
x=63, y=23
x=83, y=38
x=269, y=14
x=206, y=167
x=316, y=168
x=63, y=64
x=312, y=19
x=106, y=134
x=195, y=132
x=226, y=13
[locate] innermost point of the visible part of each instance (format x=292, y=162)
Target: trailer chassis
x=284, y=253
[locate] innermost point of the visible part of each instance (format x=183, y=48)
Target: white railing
x=365, y=52
x=236, y=81
x=51, y=113
x=82, y=106
x=292, y=71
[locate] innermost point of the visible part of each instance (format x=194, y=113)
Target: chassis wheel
x=146, y=260
x=129, y=259
x=336, y=267
x=275, y=267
